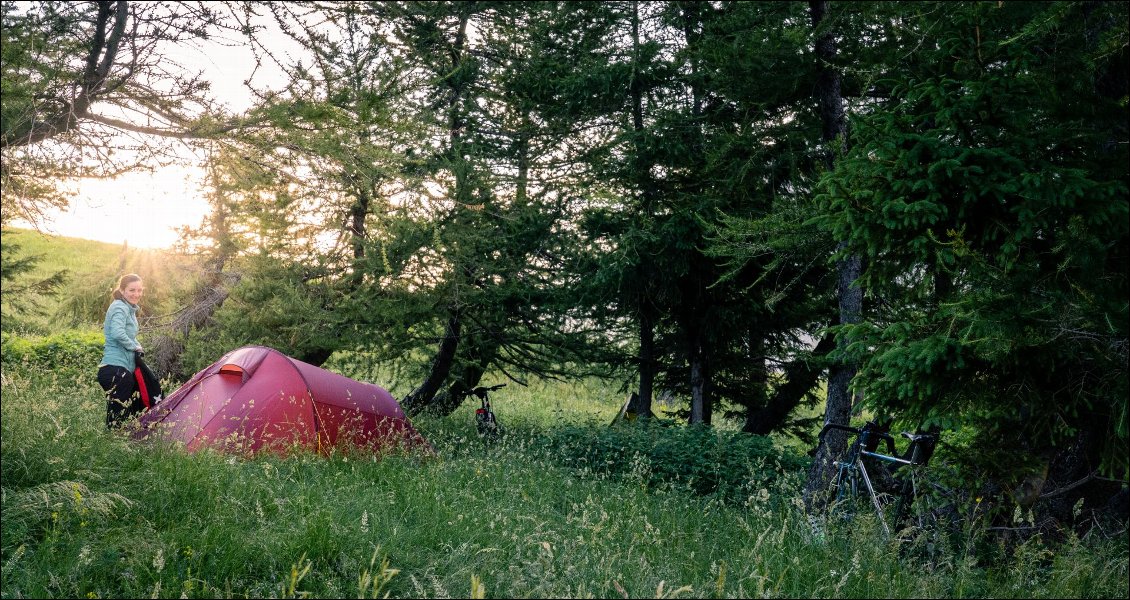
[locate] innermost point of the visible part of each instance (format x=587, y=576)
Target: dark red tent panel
x=257, y=398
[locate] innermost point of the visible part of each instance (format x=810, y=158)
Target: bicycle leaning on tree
x=485, y=422
x=906, y=487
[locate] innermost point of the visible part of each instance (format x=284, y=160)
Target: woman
x=115, y=373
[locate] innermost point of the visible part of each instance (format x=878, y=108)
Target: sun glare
x=141, y=209
x=144, y=209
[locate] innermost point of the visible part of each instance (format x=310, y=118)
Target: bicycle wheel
x=847, y=485
x=854, y=490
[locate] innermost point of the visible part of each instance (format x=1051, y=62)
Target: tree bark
x=478, y=354
x=421, y=397
x=647, y=312
x=357, y=213
x=848, y=269
x=701, y=299
x=800, y=376
x=647, y=360
x=700, y=400
x=100, y=58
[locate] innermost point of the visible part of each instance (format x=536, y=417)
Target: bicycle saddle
x=921, y=448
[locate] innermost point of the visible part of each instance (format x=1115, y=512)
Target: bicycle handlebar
x=857, y=431
x=824, y=431
x=481, y=392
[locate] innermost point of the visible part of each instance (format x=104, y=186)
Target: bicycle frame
x=865, y=445
x=485, y=421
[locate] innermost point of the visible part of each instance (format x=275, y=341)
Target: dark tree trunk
x=1073, y=492
x=316, y=357
x=800, y=376
x=827, y=83
x=357, y=213
x=421, y=398
x=700, y=399
x=697, y=387
x=109, y=27
x=756, y=398
x=642, y=170
x=647, y=361
x=839, y=403
x=477, y=357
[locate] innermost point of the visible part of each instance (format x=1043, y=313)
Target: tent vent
x=230, y=369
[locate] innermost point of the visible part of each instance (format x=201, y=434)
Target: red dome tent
x=257, y=398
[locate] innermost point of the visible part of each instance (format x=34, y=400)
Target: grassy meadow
x=89, y=514
x=564, y=506
x=91, y=270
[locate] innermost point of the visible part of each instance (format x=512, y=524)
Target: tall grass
x=89, y=514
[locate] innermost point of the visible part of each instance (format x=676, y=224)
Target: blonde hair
x=125, y=280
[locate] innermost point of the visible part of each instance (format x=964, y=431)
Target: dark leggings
x=122, y=402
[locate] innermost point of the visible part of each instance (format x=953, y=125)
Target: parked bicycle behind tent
x=486, y=423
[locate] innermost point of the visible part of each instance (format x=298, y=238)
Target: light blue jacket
x=121, y=334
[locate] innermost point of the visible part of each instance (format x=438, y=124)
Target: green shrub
x=69, y=348
x=726, y=464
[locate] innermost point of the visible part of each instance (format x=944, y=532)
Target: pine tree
x=987, y=195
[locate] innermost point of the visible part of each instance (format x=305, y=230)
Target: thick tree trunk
x=756, y=397
x=103, y=51
x=166, y=348
x=477, y=356
x=647, y=312
x=357, y=213
x=839, y=403
x=701, y=299
x=316, y=356
x=421, y=398
x=700, y=399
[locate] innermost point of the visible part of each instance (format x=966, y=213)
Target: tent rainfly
x=256, y=398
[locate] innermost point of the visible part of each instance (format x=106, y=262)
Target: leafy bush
x=72, y=347
x=727, y=464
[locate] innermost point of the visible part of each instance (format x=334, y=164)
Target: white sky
x=139, y=208
x=145, y=208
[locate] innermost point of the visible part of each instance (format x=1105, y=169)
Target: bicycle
x=852, y=470
x=486, y=423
